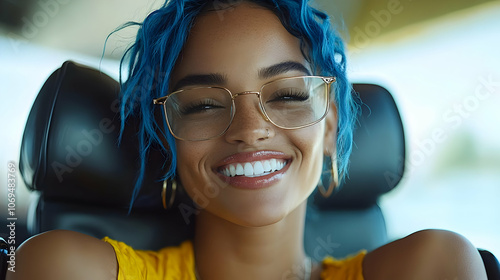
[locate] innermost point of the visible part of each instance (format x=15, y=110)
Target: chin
x=251, y=214
x=256, y=221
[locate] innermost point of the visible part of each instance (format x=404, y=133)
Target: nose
x=250, y=125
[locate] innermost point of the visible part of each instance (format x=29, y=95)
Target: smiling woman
x=243, y=115
x=253, y=41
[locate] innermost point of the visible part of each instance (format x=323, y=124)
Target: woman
x=245, y=87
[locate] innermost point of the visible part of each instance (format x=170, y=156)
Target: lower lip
x=252, y=183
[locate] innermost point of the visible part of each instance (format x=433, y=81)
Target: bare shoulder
x=62, y=254
x=428, y=254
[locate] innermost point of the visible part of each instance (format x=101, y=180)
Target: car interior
x=73, y=173
x=83, y=179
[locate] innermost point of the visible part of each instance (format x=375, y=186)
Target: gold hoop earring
x=330, y=177
x=172, y=185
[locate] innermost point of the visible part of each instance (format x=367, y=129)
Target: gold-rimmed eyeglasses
x=203, y=113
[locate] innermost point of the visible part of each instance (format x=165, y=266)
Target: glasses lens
x=199, y=113
x=295, y=102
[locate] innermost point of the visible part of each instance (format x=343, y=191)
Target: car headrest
x=377, y=161
x=70, y=148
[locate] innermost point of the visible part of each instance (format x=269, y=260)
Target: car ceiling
x=83, y=26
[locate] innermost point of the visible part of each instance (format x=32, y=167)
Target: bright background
x=445, y=77
x=443, y=71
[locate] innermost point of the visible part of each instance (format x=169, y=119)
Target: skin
x=248, y=229
x=258, y=233
x=225, y=51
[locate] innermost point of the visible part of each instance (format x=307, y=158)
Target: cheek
x=310, y=140
x=190, y=171
x=189, y=161
x=195, y=173
x=310, y=147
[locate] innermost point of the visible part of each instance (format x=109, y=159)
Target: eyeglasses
x=203, y=113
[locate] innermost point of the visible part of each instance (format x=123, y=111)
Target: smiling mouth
x=254, y=168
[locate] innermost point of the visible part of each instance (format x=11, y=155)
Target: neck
x=224, y=250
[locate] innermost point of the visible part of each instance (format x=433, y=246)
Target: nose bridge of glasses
x=258, y=94
x=234, y=95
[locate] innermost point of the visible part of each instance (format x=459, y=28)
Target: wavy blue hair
x=161, y=37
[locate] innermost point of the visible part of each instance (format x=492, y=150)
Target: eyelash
x=289, y=95
x=199, y=106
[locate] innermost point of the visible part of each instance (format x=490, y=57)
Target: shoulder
x=428, y=254
x=62, y=254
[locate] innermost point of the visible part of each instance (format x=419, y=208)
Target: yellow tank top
x=177, y=263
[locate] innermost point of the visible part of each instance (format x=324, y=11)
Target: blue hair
x=161, y=37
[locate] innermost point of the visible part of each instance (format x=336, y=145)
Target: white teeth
x=267, y=166
x=252, y=169
x=258, y=168
x=239, y=170
x=248, y=169
x=272, y=162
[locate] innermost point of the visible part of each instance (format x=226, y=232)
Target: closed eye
x=289, y=95
x=201, y=106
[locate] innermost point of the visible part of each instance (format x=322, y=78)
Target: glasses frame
x=328, y=81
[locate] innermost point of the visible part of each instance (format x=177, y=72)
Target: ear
x=330, y=137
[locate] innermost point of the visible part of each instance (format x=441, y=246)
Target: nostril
x=247, y=136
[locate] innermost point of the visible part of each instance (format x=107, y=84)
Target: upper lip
x=251, y=157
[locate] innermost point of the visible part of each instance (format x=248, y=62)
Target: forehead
x=240, y=39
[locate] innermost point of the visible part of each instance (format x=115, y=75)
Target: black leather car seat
x=83, y=180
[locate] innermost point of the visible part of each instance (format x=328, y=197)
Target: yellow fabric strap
x=177, y=263
x=171, y=263
x=350, y=268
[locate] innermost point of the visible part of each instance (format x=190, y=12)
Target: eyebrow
x=213, y=79
x=217, y=79
x=283, y=67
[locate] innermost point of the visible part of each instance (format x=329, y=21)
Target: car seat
x=82, y=179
